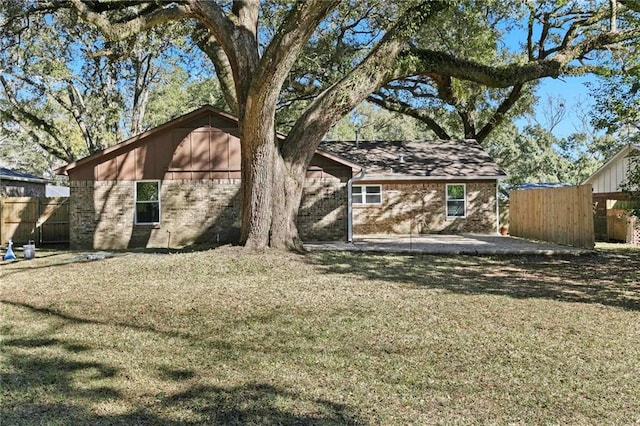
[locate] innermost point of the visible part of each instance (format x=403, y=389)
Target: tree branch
x=424, y=61
x=289, y=40
x=30, y=123
x=214, y=51
x=137, y=23
x=404, y=108
x=343, y=96
x=500, y=113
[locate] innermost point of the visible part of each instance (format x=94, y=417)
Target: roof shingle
x=441, y=158
x=9, y=174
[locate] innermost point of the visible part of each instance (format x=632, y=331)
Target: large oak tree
x=254, y=64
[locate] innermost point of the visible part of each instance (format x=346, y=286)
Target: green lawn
x=224, y=337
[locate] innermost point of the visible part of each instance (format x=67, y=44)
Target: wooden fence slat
x=559, y=215
x=43, y=220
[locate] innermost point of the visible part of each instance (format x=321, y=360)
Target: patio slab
x=471, y=244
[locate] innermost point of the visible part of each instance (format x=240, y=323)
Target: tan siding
x=126, y=165
x=219, y=143
x=181, y=155
x=323, y=167
x=205, y=146
x=107, y=170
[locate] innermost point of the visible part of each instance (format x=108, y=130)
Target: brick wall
x=419, y=208
x=323, y=210
x=102, y=214
x=192, y=211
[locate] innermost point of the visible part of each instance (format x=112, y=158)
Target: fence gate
x=43, y=220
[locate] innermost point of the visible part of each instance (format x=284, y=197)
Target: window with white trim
x=147, y=202
x=456, y=200
x=366, y=194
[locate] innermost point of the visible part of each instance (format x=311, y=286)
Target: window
x=147, y=202
x=456, y=200
x=366, y=194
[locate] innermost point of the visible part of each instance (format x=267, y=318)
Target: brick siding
x=102, y=212
x=192, y=211
x=420, y=208
x=323, y=210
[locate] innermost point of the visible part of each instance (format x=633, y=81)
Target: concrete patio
x=473, y=244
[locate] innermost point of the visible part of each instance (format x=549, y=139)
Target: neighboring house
x=18, y=184
x=608, y=198
x=607, y=179
x=179, y=184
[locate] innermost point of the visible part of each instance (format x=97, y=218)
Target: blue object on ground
x=9, y=255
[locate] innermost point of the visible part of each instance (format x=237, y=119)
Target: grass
x=225, y=337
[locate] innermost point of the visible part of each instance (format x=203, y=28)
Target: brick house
x=422, y=186
x=179, y=184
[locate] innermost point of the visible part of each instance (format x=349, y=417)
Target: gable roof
x=624, y=152
x=8, y=174
x=125, y=145
x=439, y=159
x=128, y=144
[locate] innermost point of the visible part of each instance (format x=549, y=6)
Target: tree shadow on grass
x=259, y=403
x=48, y=380
x=607, y=279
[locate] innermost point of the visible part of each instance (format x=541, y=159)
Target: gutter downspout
x=356, y=178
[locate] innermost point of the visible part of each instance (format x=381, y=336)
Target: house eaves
x=399, y=177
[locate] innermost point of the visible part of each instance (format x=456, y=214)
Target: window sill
x=148, y=225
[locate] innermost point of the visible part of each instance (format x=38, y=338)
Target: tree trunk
x=258, y=148
x=288, y=186
x=272, y=190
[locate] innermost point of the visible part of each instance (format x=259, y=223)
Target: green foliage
x=369, y=122
x=529, y=156
x=631, y=184
x=617, y=112
x=617, y=109
x=178, y=94
x=67, y=92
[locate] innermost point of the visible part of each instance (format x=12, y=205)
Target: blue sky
x=573, y=91
x=578, y=100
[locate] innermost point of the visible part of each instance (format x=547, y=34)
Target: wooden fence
x=42, y=220
x=559, y=215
